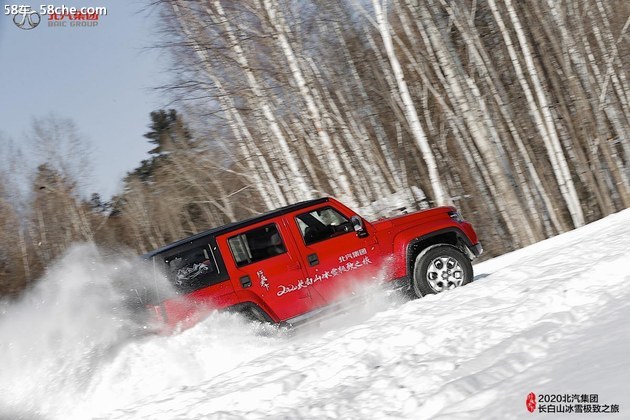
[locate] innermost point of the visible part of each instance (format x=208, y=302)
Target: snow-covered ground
x=550, y=319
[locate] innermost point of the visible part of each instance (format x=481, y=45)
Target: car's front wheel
x=440, y=268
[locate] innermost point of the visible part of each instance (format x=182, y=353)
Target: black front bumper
x=476, y=249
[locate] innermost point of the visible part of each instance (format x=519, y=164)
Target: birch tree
x=540, y=110
x=439, y=194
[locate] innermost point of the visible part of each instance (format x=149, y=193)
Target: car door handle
x=312, y=260
x=246, y=282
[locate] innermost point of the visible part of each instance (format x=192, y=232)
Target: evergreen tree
x=167, y=133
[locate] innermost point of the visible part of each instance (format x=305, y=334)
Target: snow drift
x=550, y=318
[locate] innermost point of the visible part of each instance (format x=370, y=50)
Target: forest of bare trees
x=516, y=112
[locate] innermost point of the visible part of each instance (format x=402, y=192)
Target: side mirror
x=357, y=224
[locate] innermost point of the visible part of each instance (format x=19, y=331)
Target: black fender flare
x=461, y=240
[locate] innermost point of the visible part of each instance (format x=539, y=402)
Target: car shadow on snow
x=480, y=277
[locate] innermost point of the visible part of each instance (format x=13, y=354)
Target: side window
x=256, y=245
x=321, y=224
x=193, y=269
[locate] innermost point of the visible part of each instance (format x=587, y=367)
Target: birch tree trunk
x=541, y=114
x=392, y=174
x=302, y=187
x=440, y=196
x=245, y=140
x=279, y=25
x=483, y=64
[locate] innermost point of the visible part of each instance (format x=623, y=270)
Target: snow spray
x=75, y=346
x=54, y=338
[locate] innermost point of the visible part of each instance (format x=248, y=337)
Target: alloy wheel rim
x=444, y=273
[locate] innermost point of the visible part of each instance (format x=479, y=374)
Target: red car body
x=291, y=264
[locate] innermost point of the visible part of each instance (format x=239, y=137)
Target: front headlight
x=456, y=215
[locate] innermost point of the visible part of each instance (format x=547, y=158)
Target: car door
x=267, y=268
x=337, y=260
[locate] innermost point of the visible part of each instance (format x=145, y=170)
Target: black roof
x=236, y=225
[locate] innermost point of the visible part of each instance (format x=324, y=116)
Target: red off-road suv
x=294, y=263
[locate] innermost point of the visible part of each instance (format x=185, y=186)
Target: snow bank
x=530, y=319
x=550, y=318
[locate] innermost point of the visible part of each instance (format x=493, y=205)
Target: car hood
x=411, y=219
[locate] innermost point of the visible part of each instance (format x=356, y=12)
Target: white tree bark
x=439, y=194
x=540, y=111
x=268, y=190
x=302, y=187
x=483, y=65
x=393, y=175
x=278, y=22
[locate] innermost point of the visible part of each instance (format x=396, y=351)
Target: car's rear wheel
x=440, y=268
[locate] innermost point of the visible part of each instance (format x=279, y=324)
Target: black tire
x=444, y=264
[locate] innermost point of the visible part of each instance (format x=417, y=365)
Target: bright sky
x=101, y=77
